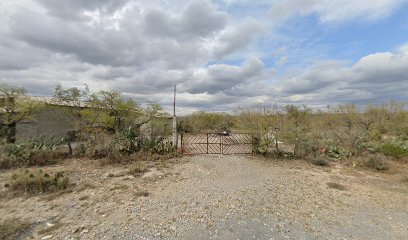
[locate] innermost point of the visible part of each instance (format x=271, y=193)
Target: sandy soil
x=216, y=197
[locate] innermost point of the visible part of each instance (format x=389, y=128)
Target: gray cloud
x=374, y=78
x=143, y=48
x=220, y=77
x=72, y=9
x=198, y=19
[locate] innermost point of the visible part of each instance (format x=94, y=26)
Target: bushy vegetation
x=15, y=107
x=34, y=152
x=107, y=125
x=395, y=150
x=34, y=182
x=206, y=121
x=340, y=132
x=101, y=125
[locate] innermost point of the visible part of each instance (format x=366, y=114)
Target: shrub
x=320, y=162
x=117, y=148
x=13, y=228
x=35, y=182
x=137, y=170
x=377, y=163
x=35, y=152
x=394, y=150
x=336, y=152
x=158, y=146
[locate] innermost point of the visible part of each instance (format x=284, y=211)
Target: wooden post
x=181, y=142
x=175, y=139
x=207, y=143
x=221, y=139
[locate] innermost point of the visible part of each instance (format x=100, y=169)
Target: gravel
x=229, y=197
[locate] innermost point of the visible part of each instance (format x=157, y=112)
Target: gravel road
x=237, y=197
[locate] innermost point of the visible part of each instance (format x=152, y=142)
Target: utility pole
x=175, y=140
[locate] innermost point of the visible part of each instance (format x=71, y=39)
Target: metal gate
x=217, y=143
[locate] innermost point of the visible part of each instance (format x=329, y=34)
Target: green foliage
x=113, y=108
x=205, y=122
x=158, y=146
x=118, y=148
x=337, y=152
x=34, y=152
x=34, y=182
x=14, y=108
x=396, y=150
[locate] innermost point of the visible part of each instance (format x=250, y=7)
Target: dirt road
x=227, y=197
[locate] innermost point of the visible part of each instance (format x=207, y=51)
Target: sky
x=221, y=54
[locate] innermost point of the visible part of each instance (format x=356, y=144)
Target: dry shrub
x=13, y=228
x=377, y=163
x=43, y=158
x=34, y=182
x=137, y=170
x=337, y=186
x=320, y=162
x=142, y=193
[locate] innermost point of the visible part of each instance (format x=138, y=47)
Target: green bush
x=34, y=152
x=394, y=150
x=158, y=146
x=35, y=182
x=338, y=153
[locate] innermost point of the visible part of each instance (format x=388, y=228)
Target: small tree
x=75, y=114
x=114, y=108
x=15, y=107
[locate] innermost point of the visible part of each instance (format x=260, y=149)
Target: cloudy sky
x=221, y=53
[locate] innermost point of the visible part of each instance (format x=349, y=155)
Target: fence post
x=207, y=143
x=181, y=143
x=221, y=148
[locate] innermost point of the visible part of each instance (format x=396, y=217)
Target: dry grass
x=320, y=162
x=337, y=186
x=119, y=187
x=142, y=193
x=34, y=182
x=49, y=229
x=13, y=228
x=35, y=158
x=137, y=170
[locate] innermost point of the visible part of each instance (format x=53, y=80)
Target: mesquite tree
x=15, y=107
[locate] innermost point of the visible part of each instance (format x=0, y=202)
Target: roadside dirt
x=216, y=197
